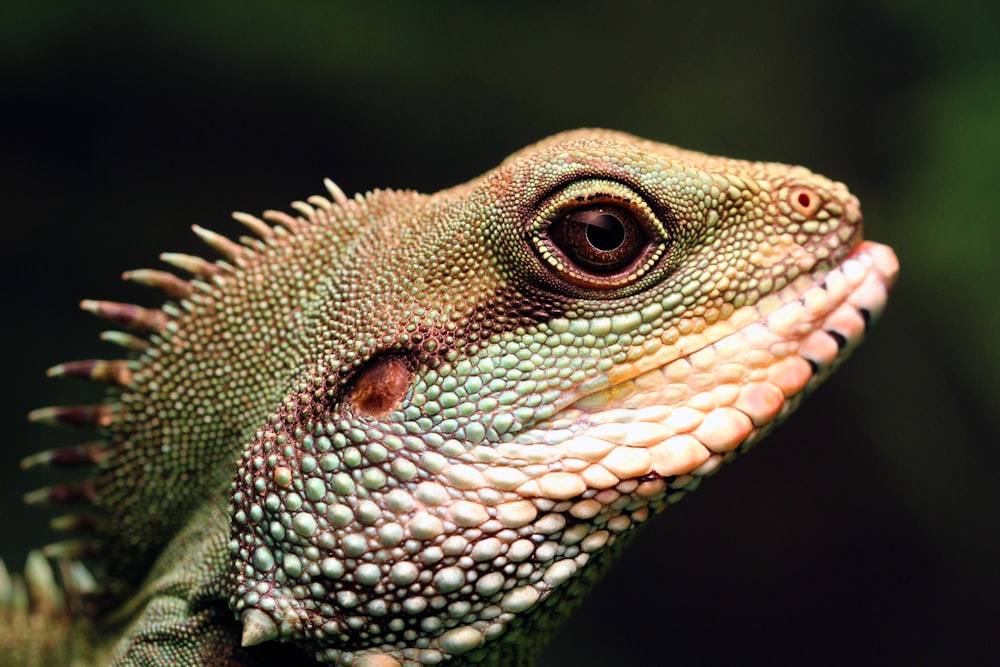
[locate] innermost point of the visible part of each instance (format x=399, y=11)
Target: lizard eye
x=599, y=235
x=601, y=240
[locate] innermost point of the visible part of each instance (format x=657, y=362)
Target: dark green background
x=866, y=531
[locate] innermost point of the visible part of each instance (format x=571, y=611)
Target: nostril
x=804, y=201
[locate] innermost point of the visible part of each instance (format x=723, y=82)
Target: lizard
x=402, y=429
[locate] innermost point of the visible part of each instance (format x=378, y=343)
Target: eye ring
x=599, y=235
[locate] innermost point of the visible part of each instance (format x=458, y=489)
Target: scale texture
x=405, y=429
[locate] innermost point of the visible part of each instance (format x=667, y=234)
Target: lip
x=870, y=271
x=681, y=410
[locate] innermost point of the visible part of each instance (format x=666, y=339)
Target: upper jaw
x=681, y=409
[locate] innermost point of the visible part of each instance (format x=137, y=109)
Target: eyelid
x=594, y=191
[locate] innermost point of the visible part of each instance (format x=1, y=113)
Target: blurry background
x=865, y=531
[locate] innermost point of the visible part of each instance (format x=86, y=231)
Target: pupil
x=605, y=232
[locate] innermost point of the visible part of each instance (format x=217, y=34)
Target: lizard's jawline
x=689, y=411
x=877, y=262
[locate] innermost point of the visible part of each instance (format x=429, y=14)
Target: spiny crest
x=39, y=592
x=42, y=609
x=139, y=331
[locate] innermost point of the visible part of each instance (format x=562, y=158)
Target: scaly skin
x=410, y=429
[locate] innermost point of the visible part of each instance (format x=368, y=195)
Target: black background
x=864, y=531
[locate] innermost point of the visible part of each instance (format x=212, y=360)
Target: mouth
x=679, y=411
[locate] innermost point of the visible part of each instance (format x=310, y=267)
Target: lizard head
x=487, y=389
